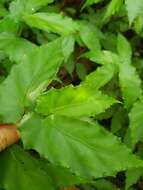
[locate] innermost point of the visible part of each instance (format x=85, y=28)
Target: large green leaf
x=136, y=122
x=52, y=22
x=134, y=9
x=20, y=171
x=28, y=79
x=129, y=80
x=74, y=101
x=16, y=48
x=87, y=149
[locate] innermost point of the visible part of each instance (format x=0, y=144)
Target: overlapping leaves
x=58, y=130
x=28, y=79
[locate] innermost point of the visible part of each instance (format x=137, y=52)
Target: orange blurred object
x=8, y=136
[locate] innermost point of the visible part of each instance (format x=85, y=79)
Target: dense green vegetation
x=71, y=78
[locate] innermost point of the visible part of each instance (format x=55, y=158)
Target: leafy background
x=71, y=81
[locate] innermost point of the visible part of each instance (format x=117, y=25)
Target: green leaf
x=3, y=11
x=81, y=71
x=90, y=2
x=73, y=101
x=119, y=119
x=138, y=24
x=113, y=7
x=124, y=49
x=102, y=57
x=103, y=184
x=133, y=9
x=33, y=5
x=20, y=7
x=101, y=76
x=132, y=176
x=20, y=171
x=16, y=48
x=28, y=79
x=63, y=177
x=90, y=36
x=52, y=22
x=129, y=80
x=130, y=84
x=8, y=25
x=136, y=122
x=70, y=64
x=68, y=49
x=87, y=149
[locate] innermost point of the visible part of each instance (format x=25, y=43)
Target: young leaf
x=20, y=171
x=134, y=9
x=73, y=101
x=28, y=79
x=136, y=122
x=87, y=149
x=52, y=22
x=16, y=48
